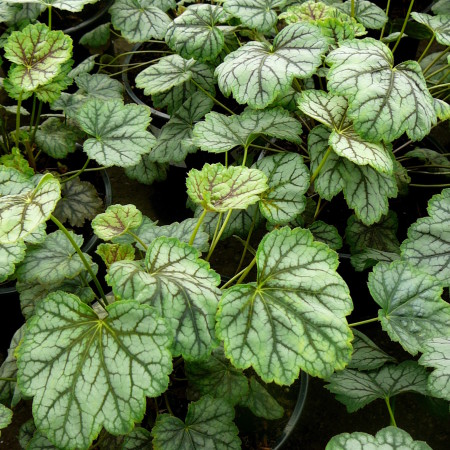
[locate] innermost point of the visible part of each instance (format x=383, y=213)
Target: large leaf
x=175, y=140
x=139, y=20
x=436, y=354
x=119, y=131
x=439, y=25
x=209, y=424
x=38, y=54
x=428, y=243
x=21, y=214
x=389, y=438
x=220, y=133
x=292, y=317
x=219, y=189
x=369, y=14
x=412, y=308
x=288, y=180
x=356, y=389
x=10, y=255
x=180, y=285
x=67, y=5
x=70, y=358
x=257, y=72
x=197, y=34
x=257, y=14
x=52, y=261
x=384, y=101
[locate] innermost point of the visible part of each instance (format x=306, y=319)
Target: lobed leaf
x=439, y=25
x=369, y=14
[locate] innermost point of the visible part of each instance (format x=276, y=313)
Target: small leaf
x=116, y=221
x=85, y=66
x=356, y=389
x=369, y=14
x=431, y=158
x=119, y=132
x=209, y=424
x=389, y=438
x=146, y=171
x=97, y=37
x=111, y=253
x=439, y=25
x=436, y=355
x=66, y=5
x=10, y=255
x=412, y=308
x=106, y=364
x=366, y=354
x=15, y=160
x=442, y=109
x=369, y=257
x=328, y=234
x=5, y=416
x=441, y=7
x=261, y=403
x=288, y=180
x=21, y=214
x=180, y=285
x=218, y=188
x=296, y=53
x=14, y=181
x=138, y=439
x=428, y=243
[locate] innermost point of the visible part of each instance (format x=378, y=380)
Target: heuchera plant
x=300, y=101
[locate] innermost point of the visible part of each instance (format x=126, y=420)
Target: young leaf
x=116, y=221
x=428, y=243
x=286, y=320
x=79, y=202
x=261, y=403
x=10, y=255
x=175, y=140
x=439, y=25
x=257, y=73
x=366, y=354
x=436, y=354
x=218, y=188
x=38, y=54
x=396, y=100
x=209, y=424
x=70, y=358
x=52, y=261
x=197, y=34
x=220, y=133
x=21, y=214
x=412, y=308
x=288, y=180
x=139, y=20
x=369, y=14
x=110, y=253
x=180, y=285
x=146, y=171
x=389, y=438
x=119, y=131
x=357, y=389
x=328, y=234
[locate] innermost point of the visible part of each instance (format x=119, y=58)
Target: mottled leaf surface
x=328, y=234
x=5, y=416
x=147, y=171
x=67, y=5
x=369, y=14
x=111, y=253
x=369, y=257
x=439, y=25
x=10, y=255
x=97, y=37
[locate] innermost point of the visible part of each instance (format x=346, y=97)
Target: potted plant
x=312, y=108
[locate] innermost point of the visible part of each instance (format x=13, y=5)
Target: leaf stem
x=391, y=413
x=352, y=10
x=438, y=71
x=363, y=322
x=138, y=239
x=222, y=229
x=77, y=173
x=403, y=26
x=93, y=169
x=197, y=227
x=244, y=159
x=19, y=104
x=50, y=17
x=387, y=14
x=316, y=213
x=247, y=241
x=166, y=401
x=322, y=163
x=438, y=86
x=82, y=257
x=426, y=48
x=33, y=112
x=246, y=271
x=234, y=277
x=38, y=119
x=8, y=379
x=438, y=57
x=213, y=98
x=430, y=185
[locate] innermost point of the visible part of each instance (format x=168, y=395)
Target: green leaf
x=5, y=416
x=219, y=189
x=216, y=377
x=180, y=285
x=356, y=389
x=257, y=14
x=442, y=109
x=139, y=20
x=436, y=355
x=288, y=180
x=366, y=354
x=52, y=261
x=38, y=54
x=388, y=438
x=85, y=66
x=365, y=190
x=369, y=14
x=99, y=86
x=146, y=171
x=26, y=432
x=67, y=5
x=111, y=253
x=197, y=34
x=175, y=140
x=396, y=100
x=292, y=318
x=261, y=403
x=119, y=132
x=97, y=37
x=257, y=73
x=79, y=202
x=439, y=25
x=10, y=255
x=138, y=439
x=209, y=424
x=369, y=257
x=15, y=160
x=21, y=214
x=428, y=243
x=106, y=364
x=436, y=61
x=57, y=138
x=441, y=7
x=379, y=236
x=219, y=133
x=412, y=308
x=51, y=91
x=116, y=221
x=328, y=234
x=14, y=181
x=431, y=158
